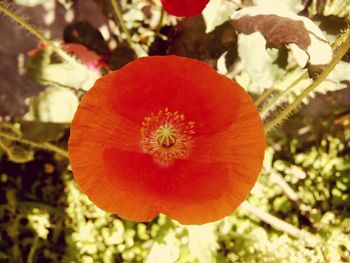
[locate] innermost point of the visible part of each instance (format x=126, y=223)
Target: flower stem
x=46, y=146
x=340, y=52
x=122, y=24
x=40, y=35
x=23, y=23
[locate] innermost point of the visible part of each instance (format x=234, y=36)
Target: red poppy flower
x=184, y=7
x=167, y=135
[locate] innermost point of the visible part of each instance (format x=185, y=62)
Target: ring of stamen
x=166, y=136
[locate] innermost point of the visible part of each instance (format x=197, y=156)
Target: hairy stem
x=276, y=99
x=24, y=23
x=340, y=52
x=31, y=29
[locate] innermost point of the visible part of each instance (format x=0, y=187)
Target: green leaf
x=42, y=131
x=20, y=153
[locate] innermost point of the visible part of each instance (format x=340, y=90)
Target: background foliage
x=305, y=181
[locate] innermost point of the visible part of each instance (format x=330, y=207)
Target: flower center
x=167, y=136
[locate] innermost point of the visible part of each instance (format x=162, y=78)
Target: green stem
x=160, y=22
x=46, y=146
x=40, y=35
x=122, y=24
x=340, y=52
x=33, y=249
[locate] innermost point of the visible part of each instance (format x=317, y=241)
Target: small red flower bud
x=184, y=7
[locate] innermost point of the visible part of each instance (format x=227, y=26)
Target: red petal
x=94, y=127
x=184, y=7
x=108, y=162
x=151, y=84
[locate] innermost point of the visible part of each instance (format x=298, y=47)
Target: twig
x=160, y=22
x=290, y=193
x=278, y=223
x=340, y=52
x=122, y=24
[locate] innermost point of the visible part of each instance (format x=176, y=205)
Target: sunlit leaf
x=203, y=242
x=56, y=105
x=217, y=12
x=280, y=27
x=29, y=3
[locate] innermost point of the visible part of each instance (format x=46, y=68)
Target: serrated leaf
x=189, y=39
x=280, y=28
